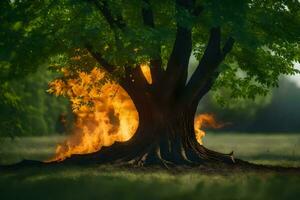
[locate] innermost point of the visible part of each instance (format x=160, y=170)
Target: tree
x=26, y=109
x=241, y=45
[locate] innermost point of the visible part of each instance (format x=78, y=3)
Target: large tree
x=241, y=45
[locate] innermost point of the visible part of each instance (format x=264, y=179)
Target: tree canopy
x=265, y=33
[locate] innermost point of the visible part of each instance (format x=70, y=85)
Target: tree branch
x=206, y=88
x=135, y=79
x=108, y=67
x=228, y=46
x=114, y=23
x=206, y=71
x=177, y=67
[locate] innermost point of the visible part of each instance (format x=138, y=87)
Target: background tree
x=26, y=109
x=275, y=113
x=240, y=45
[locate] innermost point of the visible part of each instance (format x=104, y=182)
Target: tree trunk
x=165, y=136
x=166, y=107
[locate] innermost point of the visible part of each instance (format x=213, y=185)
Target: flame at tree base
x=204, y=121
x=104, y=114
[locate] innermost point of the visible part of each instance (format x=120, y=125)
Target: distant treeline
x=279, y=112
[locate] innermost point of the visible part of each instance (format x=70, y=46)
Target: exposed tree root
x=208, y=160
x=144, y=151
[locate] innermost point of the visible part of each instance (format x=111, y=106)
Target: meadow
x=106, y=182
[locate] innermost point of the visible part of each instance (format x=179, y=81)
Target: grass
x=105, y=182
x=273, y=149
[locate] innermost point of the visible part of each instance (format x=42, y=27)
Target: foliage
x=234, y=111
x=278, y=112
x=266, y=35
x=282, y=114
x=27, y=109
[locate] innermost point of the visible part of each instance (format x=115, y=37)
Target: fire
x=204, y=121
x=104, y=113
x=146, y=72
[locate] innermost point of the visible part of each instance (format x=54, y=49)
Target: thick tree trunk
x=165, y=136
x=166, y=107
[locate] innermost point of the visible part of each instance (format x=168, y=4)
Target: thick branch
x=204, y=90
x=228, y=46
x=108, y=67
x=114, y=21
x=135, y=79
x=205, y=74
x=177, y=67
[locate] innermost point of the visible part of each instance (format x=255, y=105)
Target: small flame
x=204, y=121
x=146, y=72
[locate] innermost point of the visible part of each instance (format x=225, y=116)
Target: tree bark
x=165, y=136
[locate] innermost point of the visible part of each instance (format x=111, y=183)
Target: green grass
x=36, y=148
x=282, y=149
x=105, y=182
x=274, y=149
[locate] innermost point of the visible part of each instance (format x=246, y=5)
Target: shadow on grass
x=108, y=183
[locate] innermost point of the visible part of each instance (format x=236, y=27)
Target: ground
x=107, y=182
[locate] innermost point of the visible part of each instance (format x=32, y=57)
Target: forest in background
x=277, y=112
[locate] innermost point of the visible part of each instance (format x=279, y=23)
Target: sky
x=296, y=78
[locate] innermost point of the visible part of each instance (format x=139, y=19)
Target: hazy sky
x=296, y=78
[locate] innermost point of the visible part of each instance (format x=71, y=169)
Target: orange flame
x=204, y=121
x=104, y=113
x=146, y=72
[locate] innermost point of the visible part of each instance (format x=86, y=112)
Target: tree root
x=138, y=156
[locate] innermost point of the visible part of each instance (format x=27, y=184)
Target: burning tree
x=105, y=113
x=242, y=46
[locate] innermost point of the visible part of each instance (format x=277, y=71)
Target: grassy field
x=272, y=149
x=105, y=182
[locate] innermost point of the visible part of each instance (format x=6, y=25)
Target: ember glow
x=204, y=121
